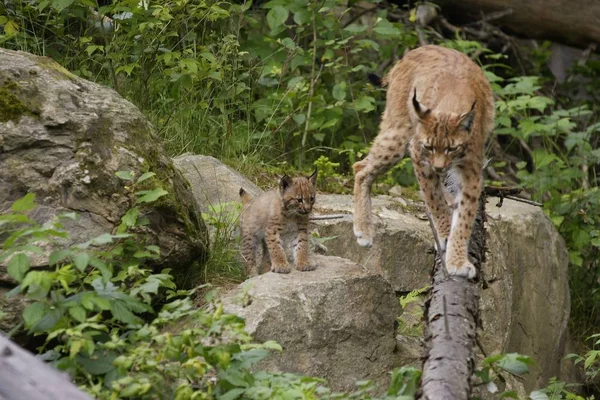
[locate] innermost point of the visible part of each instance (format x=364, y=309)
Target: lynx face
x=298, y=194
x=442, y=137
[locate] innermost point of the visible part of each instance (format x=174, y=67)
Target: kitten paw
x=306, y=267
x=465, y=269
x=281, y=269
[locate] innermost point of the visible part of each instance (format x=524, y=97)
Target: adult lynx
x=266, y=217
x=440, y=107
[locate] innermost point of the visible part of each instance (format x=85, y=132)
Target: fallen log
x=451, y=319
x=23, y=376
x=571, y=22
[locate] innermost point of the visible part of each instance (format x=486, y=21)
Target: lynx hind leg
x=389, y=147
x=249, y=245
x=262, y=257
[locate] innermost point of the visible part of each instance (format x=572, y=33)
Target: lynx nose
x=439, y=170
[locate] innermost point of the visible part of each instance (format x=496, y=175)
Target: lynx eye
x=453, y=149
x=427, y=147
x=312, y=199
x=299, y=199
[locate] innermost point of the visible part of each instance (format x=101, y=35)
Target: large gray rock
x=64, y=138
x=337, y=322
x=402, y=251
x=213, y=182
x=525, y=304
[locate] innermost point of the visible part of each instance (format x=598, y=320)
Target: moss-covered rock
x=64, y=138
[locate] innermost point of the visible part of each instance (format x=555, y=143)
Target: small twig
x=522, y=200
x=495, y=15
x=329, y=216
x=358, y=15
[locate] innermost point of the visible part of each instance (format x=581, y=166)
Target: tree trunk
x=23, y=376
x=451, y=318
x=571, y=22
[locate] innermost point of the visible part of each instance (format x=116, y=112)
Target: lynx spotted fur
x=265, y=218
x=440, y=108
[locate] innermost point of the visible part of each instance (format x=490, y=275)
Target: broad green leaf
x=100, y=364
x=145, y=175
x=130, y=217
x=295, y=82
x=339, y=91
x=355, y=28
x=128, y=69
x=78, y=313
x=538, y=395
x=302, y=16
x=24, y=204
x=81, y=261
x=365, y=104
x=514, y=363
x=125, y=175
x=273, y=345
x=33, y=313
x=386, y=28
x=148, y=196
x=232, y=394
x=58, y=255
x=60, y=5
x=18, y=266
x=122, y=313
x=11, y=28
x=277, y=16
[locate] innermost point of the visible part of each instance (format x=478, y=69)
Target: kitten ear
x=313, y=178
x=284, y=183
x=465, y=120
x=420, y=109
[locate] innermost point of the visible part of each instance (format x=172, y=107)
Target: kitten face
x=298, y=194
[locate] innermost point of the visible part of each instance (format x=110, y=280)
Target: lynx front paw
x=465, y=269
x=306, y=267
x=281, y=269
x=363, y=238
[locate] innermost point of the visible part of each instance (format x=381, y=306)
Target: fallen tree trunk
x=571, y=22
x=451, y=318
x=23, y=376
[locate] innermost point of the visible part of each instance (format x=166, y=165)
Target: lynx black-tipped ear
x=284, y=183
x=420, y=109
x=465, y=121
x=313, y=177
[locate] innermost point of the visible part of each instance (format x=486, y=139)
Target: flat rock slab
x=337, y=322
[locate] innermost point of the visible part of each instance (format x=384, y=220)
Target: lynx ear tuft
x=420, y=109
x=285, y=183
x=313, y=177
x=465, y=121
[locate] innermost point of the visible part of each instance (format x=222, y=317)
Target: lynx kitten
x=266, y=217
x=440, y=107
